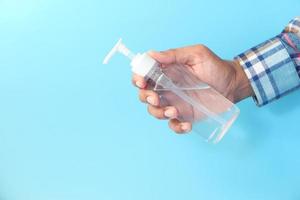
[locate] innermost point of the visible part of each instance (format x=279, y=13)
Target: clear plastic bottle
x=210, y=113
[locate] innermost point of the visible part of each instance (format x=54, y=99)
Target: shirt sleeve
x=273, y=67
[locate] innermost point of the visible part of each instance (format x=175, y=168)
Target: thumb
x=163, y=57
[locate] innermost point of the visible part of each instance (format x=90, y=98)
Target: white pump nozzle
x=141, y=64
x=121, y=48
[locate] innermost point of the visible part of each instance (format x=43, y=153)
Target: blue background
x=72, y=128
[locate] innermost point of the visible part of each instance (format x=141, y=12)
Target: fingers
x=138, y=81
x=180, y=127
x=164, y=57
x=169, y=112
x=149, y=96
x=171, y=56
x=152, y=98
x=163, y=113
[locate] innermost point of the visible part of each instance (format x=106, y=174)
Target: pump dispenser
x=210, y=113
x=141, y=64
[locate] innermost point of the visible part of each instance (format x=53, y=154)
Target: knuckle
x=173, y=126
x=160, y=117
x=176, y=130
x=155, y=112
x=149, y=110
x=142, y=95
x=133, y=78
x=201, y=47
x=172, y=51
x=133, y=81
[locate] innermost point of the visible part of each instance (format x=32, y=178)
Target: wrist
x=242, y=87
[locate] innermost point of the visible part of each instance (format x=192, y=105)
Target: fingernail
x=169, y=113
x=139, y=84
x=151, y=100
x=185, y=127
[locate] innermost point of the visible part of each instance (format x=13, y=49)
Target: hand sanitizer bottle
x=210, y=113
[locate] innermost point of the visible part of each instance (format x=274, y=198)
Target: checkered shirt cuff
x=293, y=27
x=270, y=69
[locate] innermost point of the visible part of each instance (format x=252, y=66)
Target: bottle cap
x=141, y=63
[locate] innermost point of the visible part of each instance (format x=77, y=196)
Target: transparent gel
x=209, y=112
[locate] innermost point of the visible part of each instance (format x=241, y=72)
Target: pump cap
x=142, y=64
x=119, y=47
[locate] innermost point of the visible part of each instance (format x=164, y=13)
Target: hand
x=227, y=77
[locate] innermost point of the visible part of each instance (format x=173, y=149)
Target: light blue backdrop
x=72, y=128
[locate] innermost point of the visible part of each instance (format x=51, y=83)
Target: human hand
x=227, y=77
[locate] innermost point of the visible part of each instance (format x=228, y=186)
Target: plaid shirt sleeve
x=273, y=67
